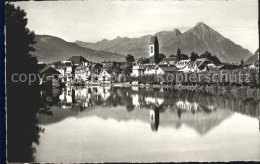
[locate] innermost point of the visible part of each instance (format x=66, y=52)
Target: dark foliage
x=194, y=56
x=212, y=58
x=161, y=56
x=129, y=58
x=22, y=97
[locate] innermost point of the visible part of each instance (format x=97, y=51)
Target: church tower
x=154, y=50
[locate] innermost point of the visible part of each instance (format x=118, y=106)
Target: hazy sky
x=96, y=20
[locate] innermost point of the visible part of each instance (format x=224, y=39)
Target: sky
x=93, y=21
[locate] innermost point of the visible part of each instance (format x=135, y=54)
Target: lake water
x=103, y=124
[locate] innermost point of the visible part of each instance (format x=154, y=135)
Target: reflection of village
x=156, y=106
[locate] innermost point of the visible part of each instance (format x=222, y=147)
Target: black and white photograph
x=132, y=81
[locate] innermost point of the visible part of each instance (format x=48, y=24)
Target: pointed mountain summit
x=202, y=25
x=199, y=39
x=177, y=32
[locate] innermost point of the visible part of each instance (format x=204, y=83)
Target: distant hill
x=200, y=39
x=50, y=48
x=254, y=58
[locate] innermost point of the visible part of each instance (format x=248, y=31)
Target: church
x=154, y=50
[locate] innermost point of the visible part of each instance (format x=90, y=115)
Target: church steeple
x=154, y=50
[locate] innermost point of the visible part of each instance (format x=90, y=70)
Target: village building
x=105, y=76
x=137, y=70
x=94, y=71
x=182, y=63
x=141, y=60
x=79, y=61
x=49, y=74
x=81, y=74
x=65, y=68
x=198, y=65
x=170, y=61
x=108, y=64
x=150, y=70
x=253, y=66
x=165, y=69
x=154, y=50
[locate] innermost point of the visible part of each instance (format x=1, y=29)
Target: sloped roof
x=42, y=66
x=201, y=61
x=169, y=69
x=48, y=67
x=153, y=40
x=108, y=71
x=77, y=59
x=96, y=65
x=215, y=68
x=78, y=68
x=169, y=59
x=198, y=62
x=150, y=66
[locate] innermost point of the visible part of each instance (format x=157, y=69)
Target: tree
x=23, y=98
x=212, y=58
x=194, y=56
x=161, y=56
x=128, y=70
x=183, y=57
x=145, y=61
x=129, y=58
x=178, y=54
x=242, y=62
x=215, y=60
x=206, y=55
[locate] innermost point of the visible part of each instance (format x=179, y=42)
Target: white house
x=150, y=70
x=165, y=69
x=105, y=76
x=199, y=65
x=81, y=73
x=137, y=70
x=182, y=63
x=170, y=61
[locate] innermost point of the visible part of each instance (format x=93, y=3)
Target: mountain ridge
x=199, y=39
x=253, y=59
x=51, y=48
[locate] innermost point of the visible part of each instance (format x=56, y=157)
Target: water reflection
x=106, y=118
x=201, y=111
x=154, y=119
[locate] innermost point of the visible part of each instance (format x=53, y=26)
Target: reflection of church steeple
x=154, y=119
x=179, y=113
x=259, y=116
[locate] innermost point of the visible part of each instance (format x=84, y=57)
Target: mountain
x=200, y=39
x=254, y=58
x=50, y=48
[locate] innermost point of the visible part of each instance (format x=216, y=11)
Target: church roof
x=153, y=40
